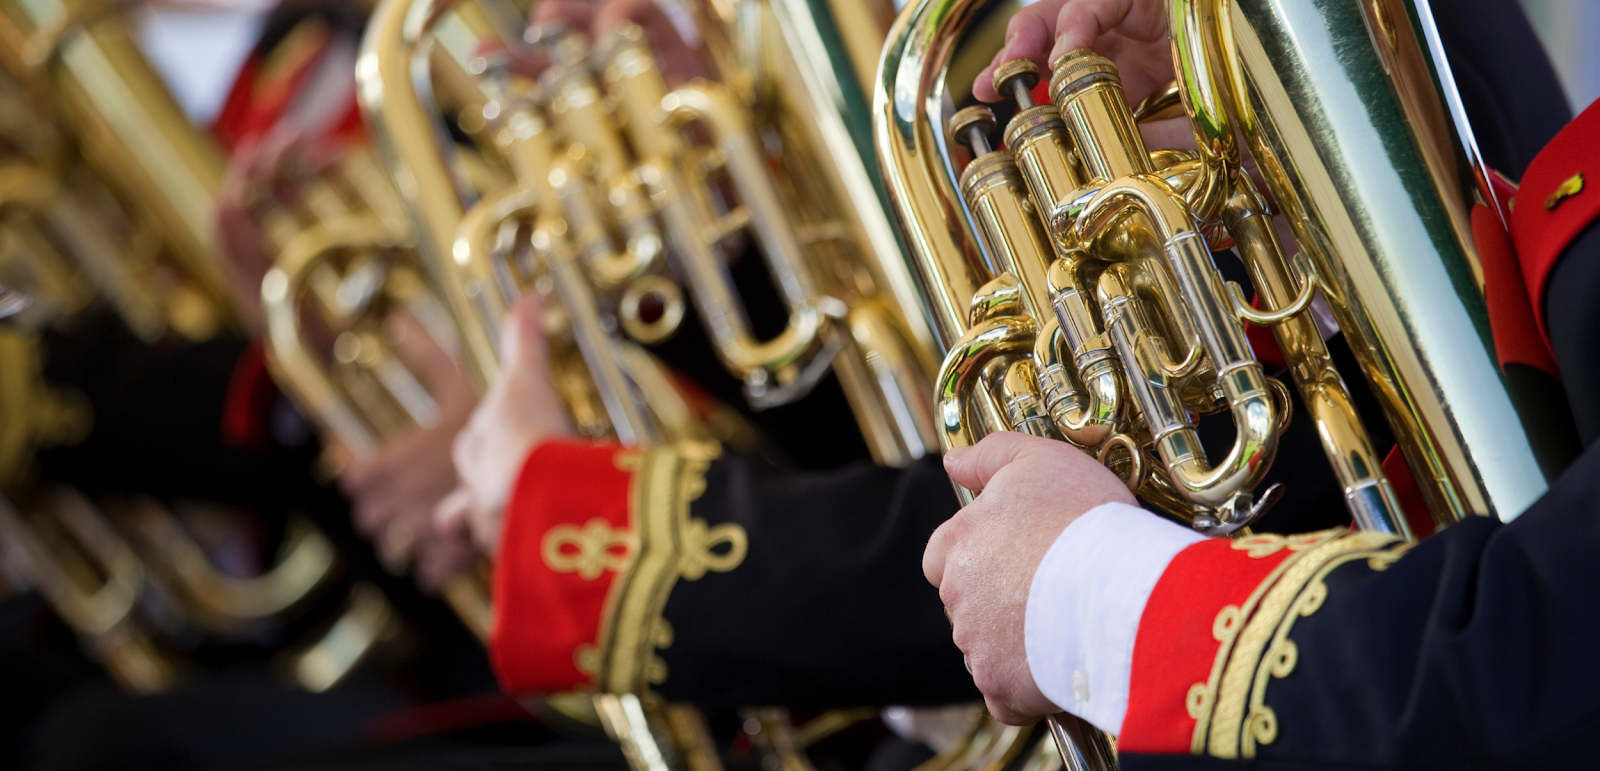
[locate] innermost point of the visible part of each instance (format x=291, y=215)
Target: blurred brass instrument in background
x=1076, y=294
x=618, y=204
x=358, y=272
x=123, y=206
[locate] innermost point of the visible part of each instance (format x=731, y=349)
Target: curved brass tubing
x=99, y=600
x=1242, y=382
x=1192, y=23
x=409, y=140
x=578, y=107
x=786, y=366
x=223, y=601
x=1350, y=453
x=1002, y=340
x=280, y=292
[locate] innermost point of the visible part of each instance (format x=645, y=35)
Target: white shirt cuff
x=1085, y=604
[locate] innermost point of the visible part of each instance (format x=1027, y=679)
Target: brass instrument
x=615, y=215
x=358, y=272
x=1076, y=294
x=135, y=216
x=618, y=200
x=80, y=67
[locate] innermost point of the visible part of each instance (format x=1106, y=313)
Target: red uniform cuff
x=566, y=538
x=1215, y=634
x=1179, y=635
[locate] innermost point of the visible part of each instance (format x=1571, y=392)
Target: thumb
x=522, y=342
x=973, y=467
x=450, y=516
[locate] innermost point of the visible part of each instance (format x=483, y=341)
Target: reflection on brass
x=626, y=187
x=352, y=275
x=92, y=580
x=1075, y=288
x=1571, y=187
x=81, y=69
x=367, y=620
x=224, y=602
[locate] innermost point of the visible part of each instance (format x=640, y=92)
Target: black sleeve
x=1474, y=650
x=1508, y=87
x=829, y=607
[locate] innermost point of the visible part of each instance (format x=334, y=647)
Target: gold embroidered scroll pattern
x=1202, y=697
x=1235, y=717
x=590, y=551
x=671, y=545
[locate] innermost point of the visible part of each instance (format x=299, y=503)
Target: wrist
x=1084, y=606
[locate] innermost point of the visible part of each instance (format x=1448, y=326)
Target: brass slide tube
x=1244, y=385
x=1355, y=463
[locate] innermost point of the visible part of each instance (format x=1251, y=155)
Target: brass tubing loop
x=1073, y=253
x=632, y=188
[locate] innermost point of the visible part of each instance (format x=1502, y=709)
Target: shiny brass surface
x=630, y=184
x=1130, y=329
x=81, y=67
x=93, y=581
x=106, y=183
x=1367, y=178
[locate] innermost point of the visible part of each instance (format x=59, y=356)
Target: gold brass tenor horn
x=1076, y=293
x=82, y=70
x=79, y=61
x=638, y=205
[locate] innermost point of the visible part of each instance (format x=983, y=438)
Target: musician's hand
x=982, y=560
x=681, y=61
x=520, y=410
x=1131, y=33
x=393, y=493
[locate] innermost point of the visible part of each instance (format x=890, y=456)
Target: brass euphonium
x=609, y=175
x=154, y=175
x=617, y=199
x=351, y=274
x=1076, y=293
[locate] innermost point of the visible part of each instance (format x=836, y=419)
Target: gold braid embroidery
x=669, y=545
x=595, y=549
x=1202, y=696
x=1257, y=647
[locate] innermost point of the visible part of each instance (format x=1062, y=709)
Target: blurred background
x=1570, y=30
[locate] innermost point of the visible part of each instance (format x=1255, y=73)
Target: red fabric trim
x=1264, y=342
x=1541, y=235
x=541, y=616
x=268, y=84
x=1175, y=647
x=1511, y=318
x=1412, y=505
x=247, y=406
x=232, y=124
